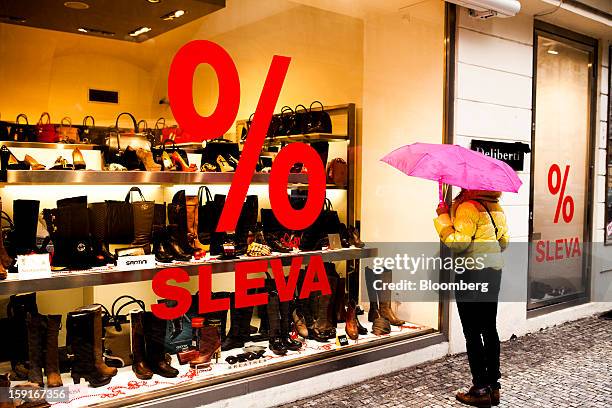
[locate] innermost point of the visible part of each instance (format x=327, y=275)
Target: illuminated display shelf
x=110, y=275
x=138, y=177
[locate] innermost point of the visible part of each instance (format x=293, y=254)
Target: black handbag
x=220, y=147
x=301, y=120
x=318, y=121
x=23, y=132
x=158, y=152
x=120, y=218
x=208, y=215
x=286, y=122
x=117, y=141
x=90, y=133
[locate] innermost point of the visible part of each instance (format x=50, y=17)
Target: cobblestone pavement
x=564, y=366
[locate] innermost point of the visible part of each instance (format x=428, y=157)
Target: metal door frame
x=591, y=45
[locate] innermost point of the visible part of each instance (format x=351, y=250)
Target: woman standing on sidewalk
x=475, y=229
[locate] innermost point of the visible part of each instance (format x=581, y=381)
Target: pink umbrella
x=454, y=165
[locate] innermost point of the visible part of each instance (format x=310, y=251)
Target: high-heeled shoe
x=146, y=158
x=34, y=165
x=180, y=163
x=224, y=165
x=208, y=168
x=62, y=164
x=10, y=162
x=232, y=161
x=77, y=160
x=167, y=162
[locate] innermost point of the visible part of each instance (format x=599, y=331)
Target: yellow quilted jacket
x=469, y=232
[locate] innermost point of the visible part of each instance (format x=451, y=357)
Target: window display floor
x=125, y=387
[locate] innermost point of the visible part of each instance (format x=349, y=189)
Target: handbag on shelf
x=337, y=172
x=178, y=334
x=318, y=121
x=120, y=217
x=158, y=131
x=300, y=121
x=208, y=215
x=45, y=130
x=158, y=152
x=91, y=134
x=179, y=135
x=228, y=150
x=286, y=122
x=22, y=132
x=117, y=342
x=66, y=133
x=118, y=140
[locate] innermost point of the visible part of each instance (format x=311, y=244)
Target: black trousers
x=478, y=314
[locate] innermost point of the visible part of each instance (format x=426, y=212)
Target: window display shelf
x=134, y=177
x=109, y=275
x=56, y=146
x=309, y=137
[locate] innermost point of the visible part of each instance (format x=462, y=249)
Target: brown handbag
x=337, y=172
x=67, y=133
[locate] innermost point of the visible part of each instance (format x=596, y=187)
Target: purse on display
x=66, y=133
x=179, y=135
x=286, y=122
x=91, y=134
x=301, y=120
x=229, y=152
x=178, y=334
x=318, y=121
x=208, y=215
x=22, y=132
x=120, y=217
x=45, y=130
x=337, y=172
x=117, y=343
x=117, y=141
x=158, y=152
x=158, y=131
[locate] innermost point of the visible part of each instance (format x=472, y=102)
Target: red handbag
x=46, y=131
x=178, y=135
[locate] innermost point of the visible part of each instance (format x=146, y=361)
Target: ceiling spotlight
x=139, y=31
x=172, y=15
x=82, y=30
x=76, y=5
x=553, y=52
x=95, y=31
x=154, y=1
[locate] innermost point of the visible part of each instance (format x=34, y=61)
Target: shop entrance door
x=562, y=166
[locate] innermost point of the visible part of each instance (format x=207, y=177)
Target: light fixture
x=553, y=52
x=76, y=5
x=139, y=31
x=172, y=15
x=154, y=1
x=95, y=31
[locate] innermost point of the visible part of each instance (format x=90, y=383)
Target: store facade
x=387, y=74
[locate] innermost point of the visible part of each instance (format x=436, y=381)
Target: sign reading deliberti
x=511, y=153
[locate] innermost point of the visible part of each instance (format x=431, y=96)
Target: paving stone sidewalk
x=564, y=366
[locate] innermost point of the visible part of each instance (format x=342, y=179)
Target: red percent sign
x=556, y=185
x=180, y=93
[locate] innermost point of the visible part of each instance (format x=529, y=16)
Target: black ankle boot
x=161, y=245
x=174, y=247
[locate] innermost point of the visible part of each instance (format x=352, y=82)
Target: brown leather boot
x=192, y=222
x=36, y=328
x=384, y=302
x=476, y=397
x=300, y=323
x=495, y=397
x=139, y=365
x=5, y=259
x=99, y=364
x=210, y=346
x=340, y=302
x=351, y=327
x=52, y=357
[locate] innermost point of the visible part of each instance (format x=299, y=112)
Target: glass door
x=561, y=169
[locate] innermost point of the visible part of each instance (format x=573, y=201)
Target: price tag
x=33, y=266
x=132, y=263
x=342, y=340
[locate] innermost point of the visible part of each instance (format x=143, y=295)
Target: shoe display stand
x=125, y=388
